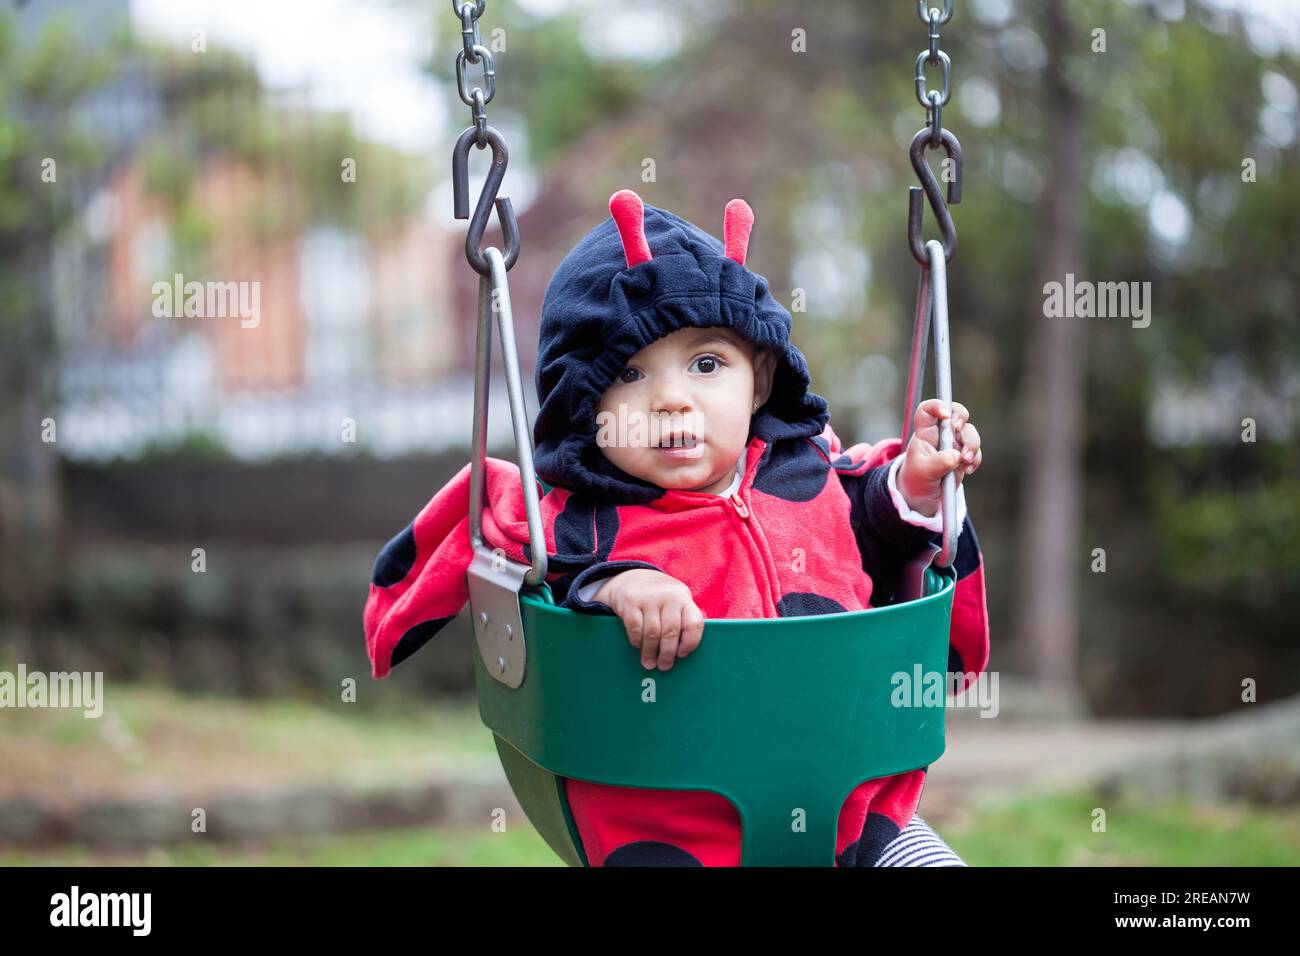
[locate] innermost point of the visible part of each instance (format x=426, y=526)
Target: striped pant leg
x=918, y=845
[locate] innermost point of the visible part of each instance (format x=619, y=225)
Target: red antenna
x=737, y=222
x=629, y=215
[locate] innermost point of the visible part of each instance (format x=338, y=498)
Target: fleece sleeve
x=589, y=580
x=419, y=579
x=888, y=541
x=885, y=538
x=935, y=521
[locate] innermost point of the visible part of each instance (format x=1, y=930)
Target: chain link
x=927, y=17
x=469, y=32
x=933, y=100
x=922, y=96
x=936, y=119
x=474, y=53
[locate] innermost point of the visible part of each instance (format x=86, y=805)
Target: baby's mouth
x=679, y=446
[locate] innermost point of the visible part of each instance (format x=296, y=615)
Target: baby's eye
x=708, y=364
x=628, y=375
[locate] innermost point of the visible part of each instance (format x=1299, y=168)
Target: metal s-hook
x=486, y=199
x=934, y=193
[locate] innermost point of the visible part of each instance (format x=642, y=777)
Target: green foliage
x=551, y=78
x=38, y=86
x=166, y=175
x=56, y=72
x=192, y=446
x=1235, y=547
x=215, y=109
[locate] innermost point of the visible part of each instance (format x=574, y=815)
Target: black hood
x=598, y=312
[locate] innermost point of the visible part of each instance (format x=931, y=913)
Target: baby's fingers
x=928, y=414
x=670, y=622
x=634, y=622
x=692, y=630
x=650, y=637
x=969, y=443
x=931, y=412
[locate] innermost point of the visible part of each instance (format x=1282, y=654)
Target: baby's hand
x=659, y=613
x=920, y=478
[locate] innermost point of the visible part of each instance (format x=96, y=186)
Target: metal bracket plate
x=494, y=586
x=911, y=584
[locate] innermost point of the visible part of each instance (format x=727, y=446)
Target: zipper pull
x=739, y=504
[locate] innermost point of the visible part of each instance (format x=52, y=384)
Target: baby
x=694, y=475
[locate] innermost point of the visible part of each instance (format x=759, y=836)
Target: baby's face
x=678, y=413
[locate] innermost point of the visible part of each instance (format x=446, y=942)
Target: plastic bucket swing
x=783, y=717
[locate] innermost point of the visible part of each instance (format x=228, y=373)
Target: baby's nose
x=671, y=397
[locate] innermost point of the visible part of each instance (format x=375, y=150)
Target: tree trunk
x=1052, y=406
x=30, y=499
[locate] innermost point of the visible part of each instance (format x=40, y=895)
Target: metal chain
x=933, y=136
x=473, y=52
x=933, y=100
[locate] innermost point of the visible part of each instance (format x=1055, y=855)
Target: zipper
x=738, y=503
x=759, y=544
x=766, y=563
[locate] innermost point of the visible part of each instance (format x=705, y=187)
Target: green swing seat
x=777, y=715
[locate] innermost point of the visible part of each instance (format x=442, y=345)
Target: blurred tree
x=51, y=163
x=214, y=107
x=43, y=153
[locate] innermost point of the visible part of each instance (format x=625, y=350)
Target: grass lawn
x=423, y=847
x=157, y=738
x=1044, y=831
x=1057, y=830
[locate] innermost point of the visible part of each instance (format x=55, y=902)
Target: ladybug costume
x=809, y=526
